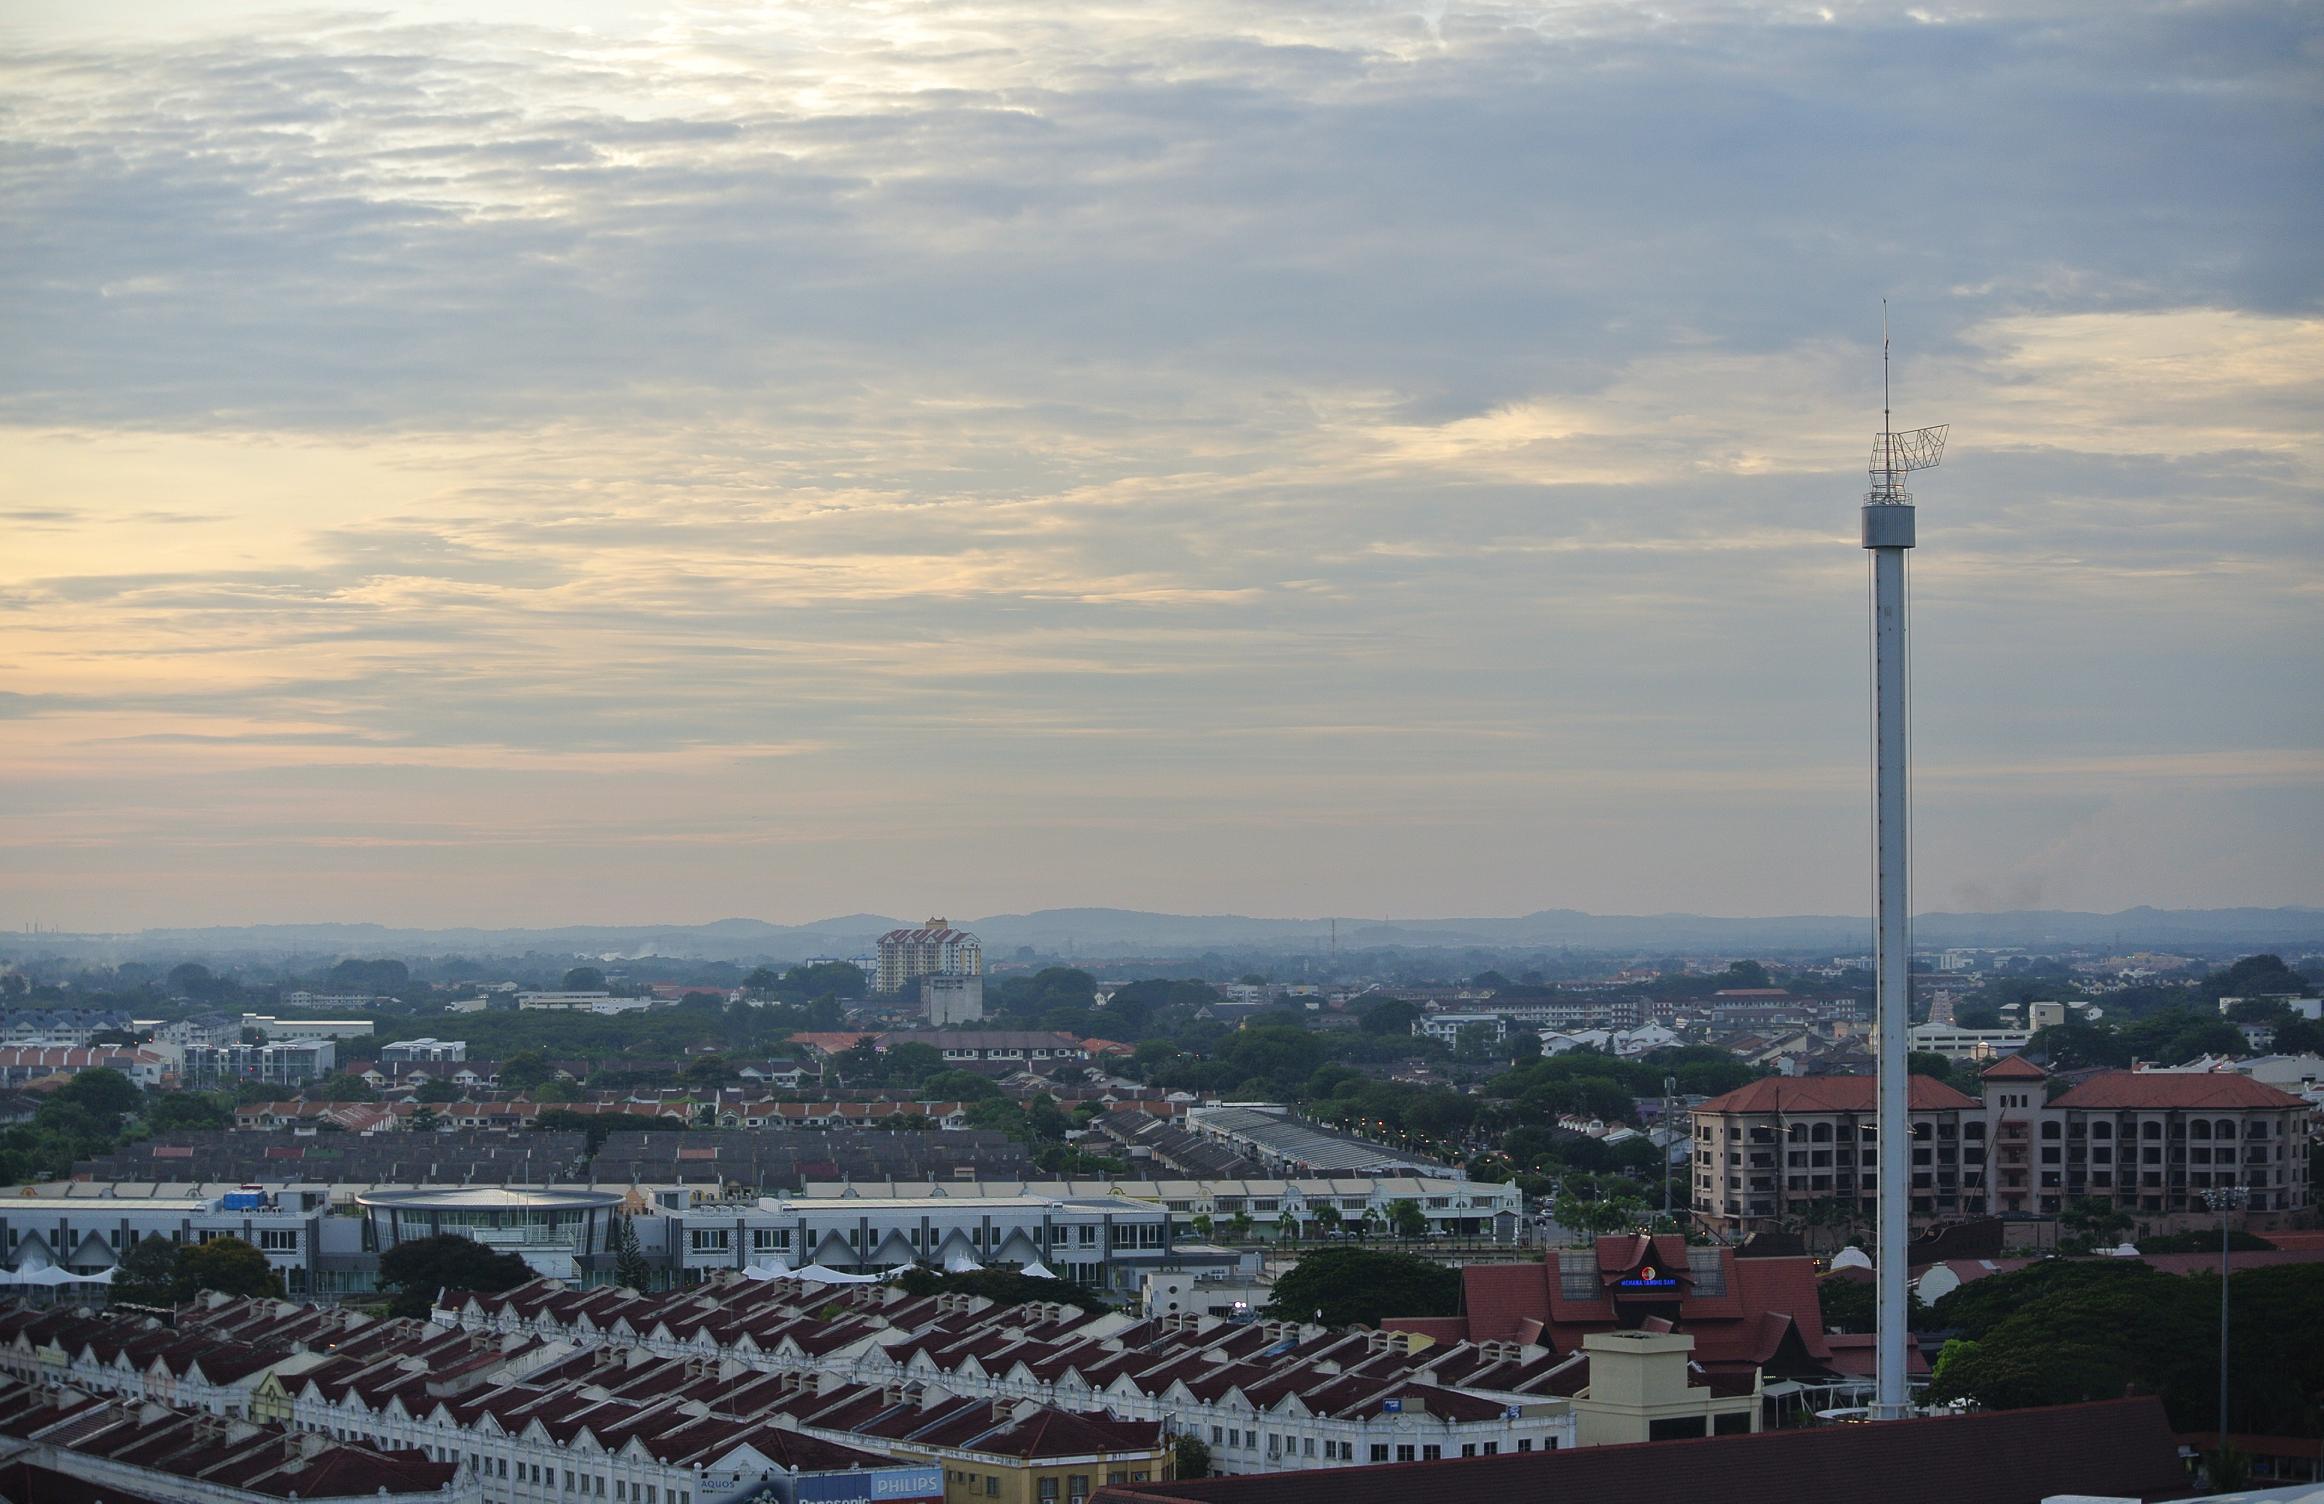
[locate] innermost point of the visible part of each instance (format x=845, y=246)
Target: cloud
x=1359, y=426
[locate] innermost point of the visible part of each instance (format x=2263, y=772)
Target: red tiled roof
x=2149, y=1090
x=1829, y=1094
x=2013, y=1068
x=2117, y=1447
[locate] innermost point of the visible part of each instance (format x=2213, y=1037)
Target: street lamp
x=2222, y=1199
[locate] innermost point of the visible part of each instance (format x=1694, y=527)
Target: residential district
x=914, y=1225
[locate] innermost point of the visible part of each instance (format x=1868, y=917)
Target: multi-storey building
x=934, y=949
x=2152, y=1142
x=288, y=1063
x=1767, y=1151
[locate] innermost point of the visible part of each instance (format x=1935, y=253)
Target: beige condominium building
x=1790, y=1152
x=935, y=949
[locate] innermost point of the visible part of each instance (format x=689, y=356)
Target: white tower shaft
x=1888, y=532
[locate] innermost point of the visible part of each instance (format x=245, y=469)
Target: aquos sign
x=872, y=1485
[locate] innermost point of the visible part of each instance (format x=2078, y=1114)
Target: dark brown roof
x=2150, y=1090
x=2119, y=1447
x=1828, y=1094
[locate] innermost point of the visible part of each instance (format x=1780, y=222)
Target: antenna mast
x=1888, y=532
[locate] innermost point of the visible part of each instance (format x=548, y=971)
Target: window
x=1492, y=1449
x=1524, y=1443
x=1379, y=1452
x=1677, y=1428
x=279, y=1240
x=1404, y=1453
x=1049, y=1490
x=1736, y=1424
x=709, y=1240
x=1431, y=1453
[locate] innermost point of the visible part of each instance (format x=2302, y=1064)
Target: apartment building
x=1764, y=1153
x=933, y=949
x=2152, y=1142
x=2155, y=1143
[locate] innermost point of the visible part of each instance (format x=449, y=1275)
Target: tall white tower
x=1888, y=532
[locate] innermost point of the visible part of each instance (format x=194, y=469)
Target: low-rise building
x=1640, y=1386
x=279, y=1029
x=1956, y=1043
x=22, y=1063
x=286, y=1063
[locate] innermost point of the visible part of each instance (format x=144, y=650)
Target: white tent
x=53, y=1275
x=818, y=1274
x=1038, y=1270
x=1851, y=1257
x=959, y=1261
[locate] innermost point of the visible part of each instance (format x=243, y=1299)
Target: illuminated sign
x=1647, y=1278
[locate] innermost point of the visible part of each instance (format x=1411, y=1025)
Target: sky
x=529, y=463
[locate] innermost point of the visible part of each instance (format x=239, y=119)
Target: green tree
x=584, y=979
x=1394, y=1016
x=1744, y=974
x=630, y=1266
x=525, y=1070
x=1406, y=1219
x=2091, y=1221
x=108, y=1095
x=148, y=1274
x=1189, y=1456
x=416, y=1271
x=228, y=1266
x=186, y=1112
x=1343, y=1285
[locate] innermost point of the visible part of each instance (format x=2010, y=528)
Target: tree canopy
x=415, y=1270
x=2076, y=1329
x=1354, y=1286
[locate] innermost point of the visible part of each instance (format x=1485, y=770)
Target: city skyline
x=517, y=464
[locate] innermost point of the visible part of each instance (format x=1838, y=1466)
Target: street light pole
x=2222, y=1199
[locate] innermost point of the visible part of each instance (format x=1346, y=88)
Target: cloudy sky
x=514, y=462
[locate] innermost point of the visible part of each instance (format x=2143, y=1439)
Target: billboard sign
x=879, y=1485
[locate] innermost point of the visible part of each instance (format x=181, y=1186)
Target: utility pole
x=2222, y=1199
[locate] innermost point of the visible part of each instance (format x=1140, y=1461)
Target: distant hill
x=1098, y=933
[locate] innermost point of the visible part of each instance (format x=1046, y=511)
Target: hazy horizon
x=526, y=461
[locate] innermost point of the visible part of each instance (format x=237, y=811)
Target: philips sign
x=872, y=1485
